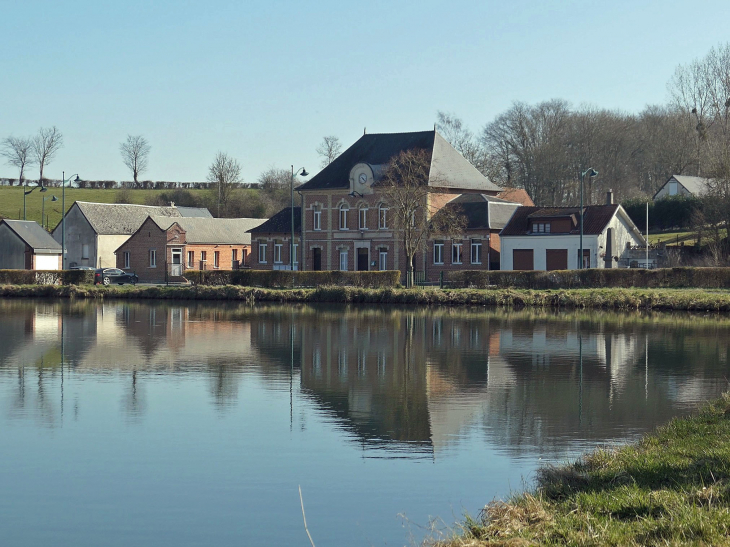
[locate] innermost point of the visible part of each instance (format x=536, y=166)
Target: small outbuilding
x=24, y=245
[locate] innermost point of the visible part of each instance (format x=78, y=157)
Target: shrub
x=281, y=279
x=17, y=277
x=46, y=277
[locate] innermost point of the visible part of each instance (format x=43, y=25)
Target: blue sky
x=265, y=81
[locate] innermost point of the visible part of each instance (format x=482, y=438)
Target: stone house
x=164, y=247
x=548, y=238
x=95, y=230
x=344, y=222
x=24, y=245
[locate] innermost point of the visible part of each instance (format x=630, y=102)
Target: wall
x=46, y=262
x=78, y=232
x=540, y=243
x=12, y=250
x=149, y=236
x=622, y=235
x=106, y=245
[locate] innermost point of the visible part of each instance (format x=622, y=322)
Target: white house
x=541, y=238
x=682, y=185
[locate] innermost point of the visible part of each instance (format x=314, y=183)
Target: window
x=456, y=253
x=126, y=259
x=541, y=228
x=547, y=227
x=216, y=259
x=262, y=253
x=317, y=218
x=383, y=217
x=153, y=258
x=234, y=255
x=438, y=252
x=343, y=216
x=296, y=261
x=191, y=259
x=277, y=252
x=363, y=218
x=383, y=260
x=343, y=261
x=85, y=250
x=476, y=251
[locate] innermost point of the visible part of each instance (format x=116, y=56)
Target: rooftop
x=595, y=218
x=33, y=235
x=216, y=231
x=280, y=223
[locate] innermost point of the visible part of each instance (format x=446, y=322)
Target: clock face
x=363, y=178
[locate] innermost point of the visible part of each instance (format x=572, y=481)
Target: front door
x=176, y=266
x=317, y=260
x=362, y=260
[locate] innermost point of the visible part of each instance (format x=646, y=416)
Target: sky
x=265, y=81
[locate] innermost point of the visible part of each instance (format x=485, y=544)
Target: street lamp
x=592, y=173
x=63, y=214
x=26, y=192
x=43, y=209
x=303, y=172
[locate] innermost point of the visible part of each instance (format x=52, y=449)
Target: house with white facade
x=548, y=238
x=682, y=185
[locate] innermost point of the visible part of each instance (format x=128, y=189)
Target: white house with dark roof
x=683, y=185
x=95, y=230
x=24, y=245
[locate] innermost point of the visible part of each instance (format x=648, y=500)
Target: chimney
x=172, y=204
x=609, y=197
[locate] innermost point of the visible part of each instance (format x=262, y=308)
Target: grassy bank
x=610, y=299
x=671, y=488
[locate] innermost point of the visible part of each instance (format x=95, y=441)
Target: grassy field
x=671, y=488
x=11, y=201
x=672, y=237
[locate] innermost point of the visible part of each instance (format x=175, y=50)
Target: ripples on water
x=193, y=424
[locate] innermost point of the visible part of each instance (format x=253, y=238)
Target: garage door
x=523, y=259
x=556, y=259
x=46, y=262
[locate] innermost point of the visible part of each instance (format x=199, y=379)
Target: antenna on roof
x=364, y=130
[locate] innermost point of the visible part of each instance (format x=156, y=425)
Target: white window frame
x=547, y=227
x=85, y=251
x=216, y=259
x=383, y=217
x=438, y=253
x=153, y=258
x=344, y=208
x=383, y=260
x=262, y=253
x=456, y=255
x=277, y=252
x=127, y=259
x=476, y=251
x=191, y=259
x=362, y=216
x=296, y=254
x=343, y=260
x=317, y=219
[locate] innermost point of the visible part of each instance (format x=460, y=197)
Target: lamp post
x=592, y=173
x=303, y=172
x=63, y=214
x=26, y=192
x=43, y=210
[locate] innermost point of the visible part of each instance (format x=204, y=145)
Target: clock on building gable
x=361, y=178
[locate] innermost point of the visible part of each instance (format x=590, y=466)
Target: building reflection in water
x=412, y=382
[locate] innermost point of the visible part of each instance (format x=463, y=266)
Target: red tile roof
x=516, y=195
x=595, y=218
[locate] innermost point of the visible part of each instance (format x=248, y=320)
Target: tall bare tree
x=18, y=153
x=46, y=144
x=405, y=188
x=329, y=149
x=135, y=155
x=225, y=174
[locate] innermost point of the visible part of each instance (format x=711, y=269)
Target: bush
x=17, y=277
x=281, y=279
x=46, y=277
x=668, y=278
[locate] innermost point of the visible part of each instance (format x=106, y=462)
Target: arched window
x=344, y=208
x=363, y=217
x=382, y=217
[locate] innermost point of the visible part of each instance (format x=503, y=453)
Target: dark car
x=107, y=276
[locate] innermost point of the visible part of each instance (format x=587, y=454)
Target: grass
x=703, y=300
x=672, y=237
x=670, y=488
x=11, y=200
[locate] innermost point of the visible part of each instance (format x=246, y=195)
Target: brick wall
x=148, y=237
x=225, y=260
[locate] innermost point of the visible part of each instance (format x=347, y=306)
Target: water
x=132, y=423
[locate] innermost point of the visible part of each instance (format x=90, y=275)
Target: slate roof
x=214, y=231
x=449, y=169
x=197, y=212
x=280, y=223
x=484, y=212
x=34, y=236
x=595, y=218
x=120, y=218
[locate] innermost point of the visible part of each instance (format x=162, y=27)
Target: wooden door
x=556, y=259
x=523, y=259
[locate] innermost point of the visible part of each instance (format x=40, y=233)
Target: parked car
x=82, y=268
x=107, y=276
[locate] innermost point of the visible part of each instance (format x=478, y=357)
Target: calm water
x=187, y=424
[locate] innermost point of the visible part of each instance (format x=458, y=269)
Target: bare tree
x=329, y=149
x=225, y=174
x=46, y=143
x=18, y=153
x=463, y=140
x=135, y=154
x=405, y=188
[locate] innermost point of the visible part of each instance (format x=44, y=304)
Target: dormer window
x=540, y=227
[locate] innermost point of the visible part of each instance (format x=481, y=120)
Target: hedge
x=669, y=278
x=285, y=279
x=46, y=277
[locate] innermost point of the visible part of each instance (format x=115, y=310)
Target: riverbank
x=670, y=488
x=710, y=300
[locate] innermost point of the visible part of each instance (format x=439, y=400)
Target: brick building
x=163, y=248
x=344, y=223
